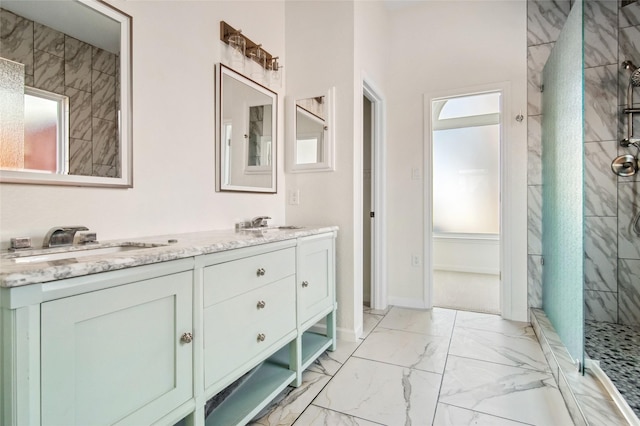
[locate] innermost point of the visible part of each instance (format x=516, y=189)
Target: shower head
x=634, y=80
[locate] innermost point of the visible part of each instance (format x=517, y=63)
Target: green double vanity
x=149, y=334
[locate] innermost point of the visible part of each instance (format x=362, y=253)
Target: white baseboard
x=345, y=334
x=402, y=302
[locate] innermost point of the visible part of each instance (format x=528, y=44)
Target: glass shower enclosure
x=563, y=185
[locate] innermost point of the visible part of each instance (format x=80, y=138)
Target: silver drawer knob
x=261, y=272
x=305, y=284
x=261, y=337
x=261, y=304
x=186, y=338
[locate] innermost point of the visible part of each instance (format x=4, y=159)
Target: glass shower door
x=562, y=189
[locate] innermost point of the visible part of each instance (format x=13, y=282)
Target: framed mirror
x=71, y=59
x=246, y=134
x=311, y=133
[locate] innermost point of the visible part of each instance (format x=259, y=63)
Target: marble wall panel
x=105, y=171
x=79, y=114
x=16, y=39
x=600, y=182
x=48, y=40
x=534, y=220
x=48, y=72
x=534, y=150
x=103, y=61
x=601, y=260
x=601, y=306
x=103, y=96
x=600, y=103
x=534, y=281
x=536, y=58
x=628, y=209
x=629, y=291
x=80, y=157
x=545, y=19
x=600, y=32
x=77, y=71
x=105, y=142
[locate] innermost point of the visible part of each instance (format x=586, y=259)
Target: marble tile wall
x=86, y=74
x=601, y=142
x=628, y=188
x=612, y=35
x=545, y=19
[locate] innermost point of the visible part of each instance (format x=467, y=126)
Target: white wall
x=175, y=47
x=436, y=47
x=471, y=255
x=320, y=50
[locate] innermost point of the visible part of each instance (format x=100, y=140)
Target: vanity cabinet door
x=118, y=356
x=315, y=276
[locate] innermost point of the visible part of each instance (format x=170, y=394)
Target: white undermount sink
x=44, y=256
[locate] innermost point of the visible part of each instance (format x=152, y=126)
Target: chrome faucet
x=259, y=221
x=61, y=236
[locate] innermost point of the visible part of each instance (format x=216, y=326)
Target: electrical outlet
x=415, y=260
x=294, y=197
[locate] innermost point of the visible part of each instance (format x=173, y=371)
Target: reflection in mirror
x=75, y=56
x=311, y=148
x=310, y=130
x=246, y=141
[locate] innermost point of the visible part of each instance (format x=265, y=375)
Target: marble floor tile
x=406, y=349
x=317, y=416
x=490, y=322
x=434, y=322
x=291, y=402
x=369, y=322
x=449, y=415
x=330, y=362
x=518, y=351
x=515, y=393
x=382, y=393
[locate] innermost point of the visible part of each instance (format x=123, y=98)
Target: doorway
x=368, y=213
x=374, y=287
x=466, y=138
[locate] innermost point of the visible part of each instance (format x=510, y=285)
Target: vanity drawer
x=241, y=328
x=230, y=279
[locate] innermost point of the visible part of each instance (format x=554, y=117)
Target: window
x=466, y=164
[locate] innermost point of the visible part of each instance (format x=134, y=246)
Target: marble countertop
x=152, y=250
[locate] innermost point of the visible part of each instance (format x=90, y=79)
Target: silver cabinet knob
x=305, y=284
x=260, y=272
x=261, y=304
x=186, y=338
x=261, y=337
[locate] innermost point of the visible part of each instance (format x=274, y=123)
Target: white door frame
x=506, y=231
x=378, y=237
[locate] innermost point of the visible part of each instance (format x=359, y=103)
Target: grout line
x=338, y=370
x=444, y=370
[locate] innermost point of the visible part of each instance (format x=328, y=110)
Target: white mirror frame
x=221, y=71
x=124, y=120
x=328, y=148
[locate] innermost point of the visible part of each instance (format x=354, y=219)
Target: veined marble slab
x=14, y=274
